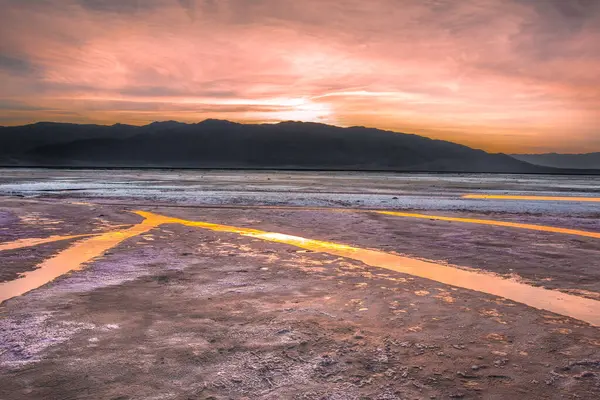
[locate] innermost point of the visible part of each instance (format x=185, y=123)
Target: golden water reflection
x=543, y=228
x=29, y=242
x=81, y=252
x=533, y=198
x=71, y=259
x=537, y=297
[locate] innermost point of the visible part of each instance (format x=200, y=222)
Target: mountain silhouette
x=574, y=161
x=224, y=144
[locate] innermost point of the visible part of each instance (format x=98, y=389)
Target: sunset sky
x=501, y=75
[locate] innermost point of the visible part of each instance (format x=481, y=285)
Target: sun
x=298, y=109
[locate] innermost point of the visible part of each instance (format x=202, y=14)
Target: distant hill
x=224, y=144
x=575, y=161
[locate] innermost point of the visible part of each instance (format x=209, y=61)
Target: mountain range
x=224, y=144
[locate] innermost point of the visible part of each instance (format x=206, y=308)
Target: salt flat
x=230, y=305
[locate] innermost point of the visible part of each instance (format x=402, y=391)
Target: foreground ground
x=186, y=313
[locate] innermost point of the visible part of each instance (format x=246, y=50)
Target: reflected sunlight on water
x=29, y=242
x=543, y=228
x=533, y=198
x=74, y=257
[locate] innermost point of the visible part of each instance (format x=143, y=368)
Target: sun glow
x=300, y=109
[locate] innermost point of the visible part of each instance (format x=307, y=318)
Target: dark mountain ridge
x=224, y=144
x=575, y=161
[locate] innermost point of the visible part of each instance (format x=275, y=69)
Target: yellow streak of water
x=533, y=198
x=537, y=297
x=82, y=252
x=543, y=228
x=73, y=258
x=28, y=242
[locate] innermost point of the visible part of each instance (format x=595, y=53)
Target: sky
x=515, y=76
